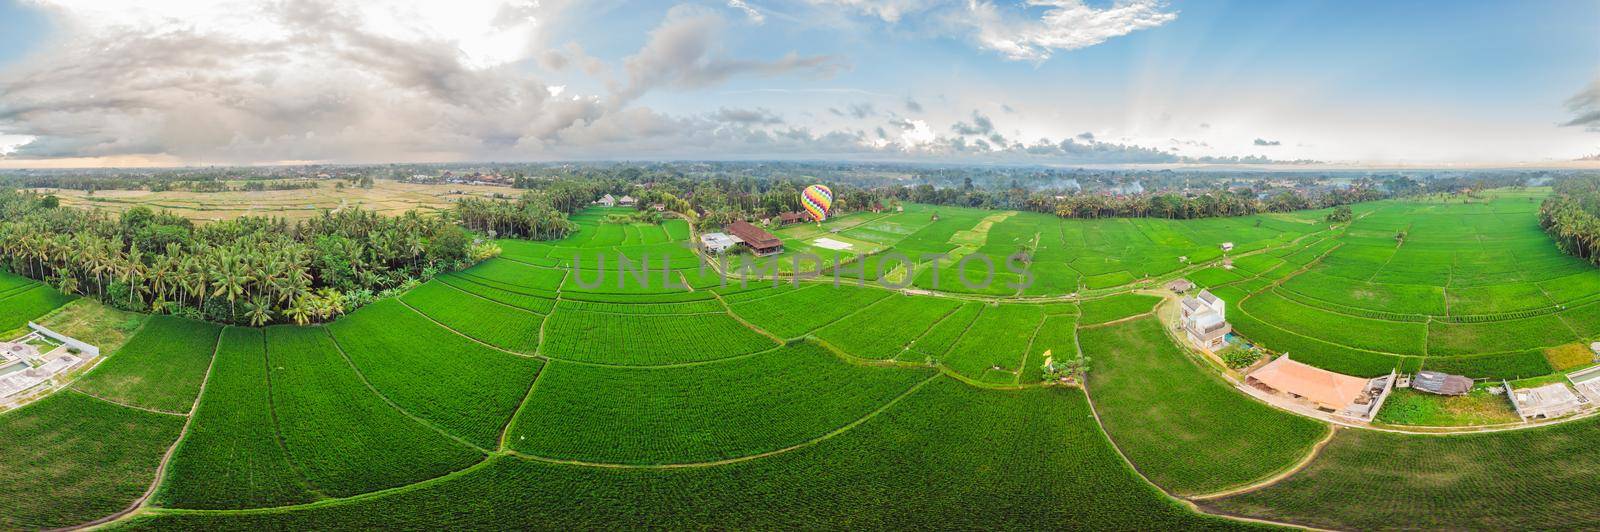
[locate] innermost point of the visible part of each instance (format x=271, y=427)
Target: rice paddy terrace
x=525, y=393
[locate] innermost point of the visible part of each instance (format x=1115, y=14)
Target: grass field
x=1526, y=479
x=461, y=387
x=694, y=413
x=1186, y=429
x=23, y=303
x=161, y=368
x=1473, y=287
x=231, y=457
x=949, y=456
x=512, y=396
x=71, y=458
x=341, y=436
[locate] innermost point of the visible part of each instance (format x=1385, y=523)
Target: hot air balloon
x=817, y=199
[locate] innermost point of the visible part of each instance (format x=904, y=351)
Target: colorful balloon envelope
x=817, y=200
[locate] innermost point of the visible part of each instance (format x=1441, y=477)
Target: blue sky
x=1128, y=82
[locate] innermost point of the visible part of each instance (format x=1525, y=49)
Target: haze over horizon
x=1059, y=82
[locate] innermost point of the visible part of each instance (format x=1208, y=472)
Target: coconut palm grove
x=799, y=265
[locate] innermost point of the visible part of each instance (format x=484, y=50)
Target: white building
x=718, y=243
x=1205, y=320
x=606, y=201
x=1227, y=246
x=1546, y=402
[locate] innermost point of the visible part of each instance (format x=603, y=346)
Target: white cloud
x=263, y=80
x=888, y=10
x=1064, y=25
x=682, y=53
x=1033, y=32
x=752, y=13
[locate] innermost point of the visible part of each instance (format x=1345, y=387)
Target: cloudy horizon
x=1055, y=82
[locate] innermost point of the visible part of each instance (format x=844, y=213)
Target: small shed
x=1227, y=246
x=786, y=218
x=1441, y=383
x=717, y=243
x=627, y=201
x=1180, y=285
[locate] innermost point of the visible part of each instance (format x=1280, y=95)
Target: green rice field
x=521, y=393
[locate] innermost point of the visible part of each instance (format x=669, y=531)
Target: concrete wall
x=87, y=350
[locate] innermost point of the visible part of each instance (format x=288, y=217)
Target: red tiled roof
x=755, y=236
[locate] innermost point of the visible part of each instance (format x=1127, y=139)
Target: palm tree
x=259, y=311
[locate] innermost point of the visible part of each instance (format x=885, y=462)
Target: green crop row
x=633, y=340
x=163, y=367
x=345, y=439
x=484, y=320
x=464, y=388
x=700, y=413
x=230, y=457
x=947, y=457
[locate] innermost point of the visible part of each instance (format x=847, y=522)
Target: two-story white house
x=1205, y=320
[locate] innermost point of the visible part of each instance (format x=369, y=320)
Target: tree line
x=1572, y=217
x=251, y=270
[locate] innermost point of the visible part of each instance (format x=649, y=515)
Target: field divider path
x=1027, y=352
x=538, y=349
x=925, y=332
x=465, y=335
x=1187, y=503
x=333, y=501
x=512, y=307
x=166, y=457
x=729, y=309
x=126, y=405
x=391, y=402
x=726, y=461
x=1316, y=450
x=277, y=432
x=505, y=431
x=595, y=364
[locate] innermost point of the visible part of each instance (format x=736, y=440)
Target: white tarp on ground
x=832, y=244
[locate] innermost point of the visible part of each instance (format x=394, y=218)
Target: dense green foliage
x=1474, y=288
x=248, y=270
x=1572, y=217
x=793, y=313
x=163, y=367
x=1187, y=430
x=231, y=457
x=994, y=346
x=71, y=459
x=513, y=395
